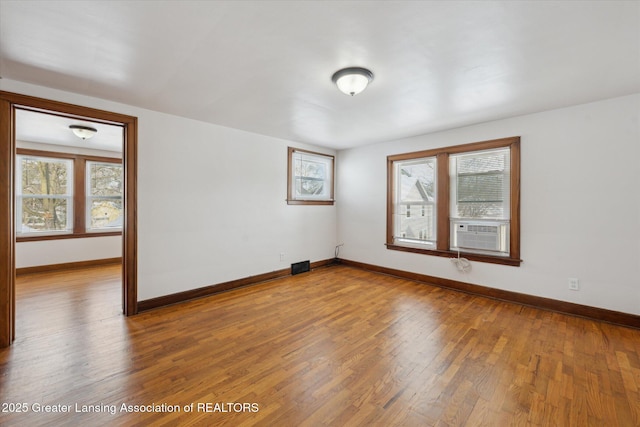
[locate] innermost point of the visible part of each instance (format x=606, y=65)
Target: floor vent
x=300, y=267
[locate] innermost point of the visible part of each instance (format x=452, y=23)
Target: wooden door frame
x=8, y=102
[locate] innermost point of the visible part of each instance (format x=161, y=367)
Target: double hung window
x=104, y=196
x=457, y=199
x=44, y=195
x=61, y=195
x=414, y=206
x=310, y=178
x=480, y=201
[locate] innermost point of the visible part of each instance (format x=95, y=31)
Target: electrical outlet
x=281, y=256
x=574, y=284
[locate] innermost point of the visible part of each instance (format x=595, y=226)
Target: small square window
x=310, y=178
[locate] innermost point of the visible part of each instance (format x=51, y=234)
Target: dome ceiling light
x=84, y=132
x=352, y=80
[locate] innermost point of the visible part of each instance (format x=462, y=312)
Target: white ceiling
x=266, y=66
x=44, y=128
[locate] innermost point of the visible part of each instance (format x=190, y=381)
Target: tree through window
x=44, y=196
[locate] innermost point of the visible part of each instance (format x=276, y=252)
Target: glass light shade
x=84, y=132
x=352, y=81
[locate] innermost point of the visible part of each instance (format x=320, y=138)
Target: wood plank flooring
x=338, y=346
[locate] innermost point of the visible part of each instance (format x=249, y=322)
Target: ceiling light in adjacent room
x=352, y=80
x=84, y=132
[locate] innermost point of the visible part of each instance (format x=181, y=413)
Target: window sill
x=67, y=236
x=310, y=202
x=454, y=254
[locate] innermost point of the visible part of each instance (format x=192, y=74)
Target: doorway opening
x=88, y=222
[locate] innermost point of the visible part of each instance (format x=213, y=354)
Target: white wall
x=212, y=207
x=48, y=252
x=580, y=206
x=211, y=201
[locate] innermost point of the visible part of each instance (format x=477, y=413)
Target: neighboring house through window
x=415, y=201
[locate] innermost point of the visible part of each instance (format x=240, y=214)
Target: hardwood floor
x=338, y=346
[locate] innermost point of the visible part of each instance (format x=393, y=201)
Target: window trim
x=443, y=200
x=291, y=200
x=79, y=196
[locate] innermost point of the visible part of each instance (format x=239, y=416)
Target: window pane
x=309, y=187
x=44, y=175
x=312, y=176
x=480, y=185
x=415, y=214
x=105, y=213
x=43, y=194
x=41, y=214
x=486, y=187
x=104, y=196
x=105, y=179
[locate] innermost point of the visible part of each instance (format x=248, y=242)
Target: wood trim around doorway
x=8, y=102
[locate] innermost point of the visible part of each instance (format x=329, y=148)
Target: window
x=415, y=197
x=44, y=197
x=65, y=195
x=480, y=201
x=104, y=196
x=310, y=178
x=462, y=198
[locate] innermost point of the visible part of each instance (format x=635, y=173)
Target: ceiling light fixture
x=352, y=80
x=84, y=132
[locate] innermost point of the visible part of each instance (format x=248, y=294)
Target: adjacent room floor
x=338, y=346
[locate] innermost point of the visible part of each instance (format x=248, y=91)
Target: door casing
x=8, y=102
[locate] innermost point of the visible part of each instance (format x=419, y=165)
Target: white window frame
x=403, y=209
x=294, y=196
x=89, y=198
x=21, y=231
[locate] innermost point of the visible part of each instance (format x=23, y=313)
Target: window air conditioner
x=480, y=236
